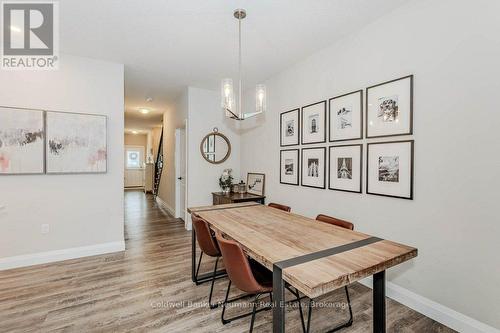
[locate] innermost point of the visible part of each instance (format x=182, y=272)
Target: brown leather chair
x=247, y=275
x=280, y=206
x=208, y=245
x=346, y=225
x=335, y=221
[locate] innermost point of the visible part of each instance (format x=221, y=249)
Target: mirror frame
x=228, y=147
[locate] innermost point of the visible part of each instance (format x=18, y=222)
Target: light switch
x=45, y=228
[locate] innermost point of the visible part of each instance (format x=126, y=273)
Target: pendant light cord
x=240, y=115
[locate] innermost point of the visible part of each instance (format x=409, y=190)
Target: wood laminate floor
x=148, y=288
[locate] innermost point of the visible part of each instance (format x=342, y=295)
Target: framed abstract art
x=22, y=137
x=76, y=143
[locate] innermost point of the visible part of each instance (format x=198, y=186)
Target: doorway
x=134, y=166
x=180, y=173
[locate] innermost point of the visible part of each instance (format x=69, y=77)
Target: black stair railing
x=158, y=166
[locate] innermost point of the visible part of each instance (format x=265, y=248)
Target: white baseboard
x=164, y=205
x=438, y=312
x=59, y=255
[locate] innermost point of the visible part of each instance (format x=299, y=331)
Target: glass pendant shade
x=260, y=98
x=227, y=97
x=228, y=102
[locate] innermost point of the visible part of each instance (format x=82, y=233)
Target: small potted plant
x=226, y=180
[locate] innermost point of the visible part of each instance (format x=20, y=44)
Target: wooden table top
x=271, y=236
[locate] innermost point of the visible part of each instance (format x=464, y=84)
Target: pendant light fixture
x=232, y=107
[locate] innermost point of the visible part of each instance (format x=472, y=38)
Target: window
x=134, y=159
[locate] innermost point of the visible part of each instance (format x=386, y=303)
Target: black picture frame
x=361, y=116
x=299, y=128
x=302, y=123
x=302, y=165
x=360, y=145
x=263, y=182
x=410, y=132
x=412, y=168
x=299, y=170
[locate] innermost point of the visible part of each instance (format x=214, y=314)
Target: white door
x=180, y=172
x=134, y=166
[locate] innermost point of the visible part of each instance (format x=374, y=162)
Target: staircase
x=158, y=166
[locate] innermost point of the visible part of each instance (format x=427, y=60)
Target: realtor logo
x=30, y=35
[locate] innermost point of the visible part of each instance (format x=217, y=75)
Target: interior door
x=134, y=166
x=180, y=172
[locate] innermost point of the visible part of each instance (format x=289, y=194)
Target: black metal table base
x=279, y=285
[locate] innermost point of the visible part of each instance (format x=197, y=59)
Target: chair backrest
x=204, y=236
x=280, y=206
x=335, y=221
x=237, y=266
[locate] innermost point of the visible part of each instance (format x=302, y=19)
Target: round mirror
x=215, y=147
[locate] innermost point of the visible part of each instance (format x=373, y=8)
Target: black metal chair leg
x=254, y=308
x=310, y=306
x=227, y=300
x=300, y=310
x=349, y=304
x=198, y=268
x=224, y=321
x=213, y=306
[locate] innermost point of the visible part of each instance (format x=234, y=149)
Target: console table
x=220, y=198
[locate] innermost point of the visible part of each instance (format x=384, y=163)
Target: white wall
x=85, y=212
x=136, y=140
x=453, y=49
x=173, y=118
x=203, y=177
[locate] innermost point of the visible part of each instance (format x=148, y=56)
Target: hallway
x=148, y=288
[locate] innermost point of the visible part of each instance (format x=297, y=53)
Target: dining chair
x=346, y=225
x=280, y=206
x=208, y=246
x=247, y=275
x=335, y=221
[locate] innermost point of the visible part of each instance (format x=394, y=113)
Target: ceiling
x=169, y=44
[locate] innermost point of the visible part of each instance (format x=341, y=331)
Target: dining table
x=316, y=258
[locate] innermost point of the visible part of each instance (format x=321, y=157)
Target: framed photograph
x=313, y=167
x=256, y=183
x=76, y=143
x=289, y=166
x=390, y=169
x=22, y=143
x=290, y=128
x=345, y=168
x=389, y=108
x=346, y=117
x=314, y=123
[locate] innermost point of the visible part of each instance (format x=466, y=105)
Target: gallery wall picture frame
x=289, y=166
x=345, y=168
x=76, y=143
x=256, y=183
x=345, y=117
x=313, y=123
x=313, y=166
x=22, y=141
x=389, y=108
x=290, y=128
x=390, y=169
